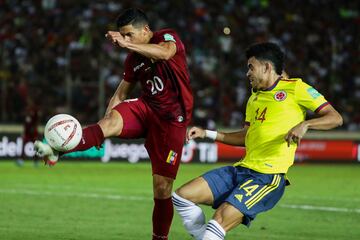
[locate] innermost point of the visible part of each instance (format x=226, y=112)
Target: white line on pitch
x=326, y=198
x=66, y=187
x=74, y=188
x=148, y=191
x=320, y=208
x=67, y=194
x=138, y=198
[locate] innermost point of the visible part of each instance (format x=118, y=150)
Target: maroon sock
x=91, y=136
x=162, y=217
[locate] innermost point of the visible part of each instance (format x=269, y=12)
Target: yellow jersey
x=271, y=113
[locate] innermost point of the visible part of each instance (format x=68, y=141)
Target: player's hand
x=116, y=38
x=113, y=35
x=195, y=132
x=296, y=133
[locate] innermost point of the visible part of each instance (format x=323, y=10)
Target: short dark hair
x=133, y=16
x=269, y=52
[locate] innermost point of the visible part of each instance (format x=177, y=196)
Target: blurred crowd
x=55, y=53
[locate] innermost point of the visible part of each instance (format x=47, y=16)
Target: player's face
x=135, y=34
x=257, y=73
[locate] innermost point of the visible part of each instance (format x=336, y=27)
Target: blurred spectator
x=59, y=48
x=30, y=128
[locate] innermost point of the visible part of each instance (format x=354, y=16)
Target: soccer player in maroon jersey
x=30, y=131
x=156, y=60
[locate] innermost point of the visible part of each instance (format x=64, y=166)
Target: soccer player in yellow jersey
x=275, y=123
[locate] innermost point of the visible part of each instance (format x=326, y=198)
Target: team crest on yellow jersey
x=280, y=95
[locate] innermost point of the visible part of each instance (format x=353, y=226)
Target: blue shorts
x=249, y=191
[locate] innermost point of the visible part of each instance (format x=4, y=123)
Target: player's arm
x=160, y=51
x=120, y=94
x=234, y=138
x=328, y=118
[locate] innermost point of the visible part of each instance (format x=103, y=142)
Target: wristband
x=211, y=134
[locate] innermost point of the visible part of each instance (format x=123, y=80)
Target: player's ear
x=284, y=74
x=146, y=28
x=268, y=67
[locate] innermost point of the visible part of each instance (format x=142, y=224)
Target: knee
x=111, y=124
x=177, y=197
x=162, y=190
x=181, y=192
x=188, y=194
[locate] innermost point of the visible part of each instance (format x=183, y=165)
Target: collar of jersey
x=271, y=87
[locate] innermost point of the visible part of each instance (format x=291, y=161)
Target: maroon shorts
x=164, y=140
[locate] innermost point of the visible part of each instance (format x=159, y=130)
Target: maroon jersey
x=31, y=123
x=165, y=84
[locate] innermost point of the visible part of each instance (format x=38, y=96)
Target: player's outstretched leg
x=185, y=200
x=192, y=216
x=110, y=126
x=93, y=135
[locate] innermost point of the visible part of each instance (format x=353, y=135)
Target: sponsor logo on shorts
x=172, y=157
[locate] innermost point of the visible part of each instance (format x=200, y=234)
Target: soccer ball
x=63, y=132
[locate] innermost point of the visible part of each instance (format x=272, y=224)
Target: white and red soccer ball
x=63, y=132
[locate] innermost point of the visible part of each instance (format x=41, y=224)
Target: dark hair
x=269, y=52
x=132, y=16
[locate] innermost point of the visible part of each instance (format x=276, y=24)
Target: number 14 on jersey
x=260, y=115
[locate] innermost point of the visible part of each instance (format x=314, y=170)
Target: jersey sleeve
x=309, y=97
x=128, y=69
x=171, y=36
x=248, y=112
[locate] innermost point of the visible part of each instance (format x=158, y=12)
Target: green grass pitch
x=76, y=201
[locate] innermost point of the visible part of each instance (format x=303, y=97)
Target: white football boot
x=44, y=151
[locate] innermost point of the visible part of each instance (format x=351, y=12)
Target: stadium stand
x=55, y=52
